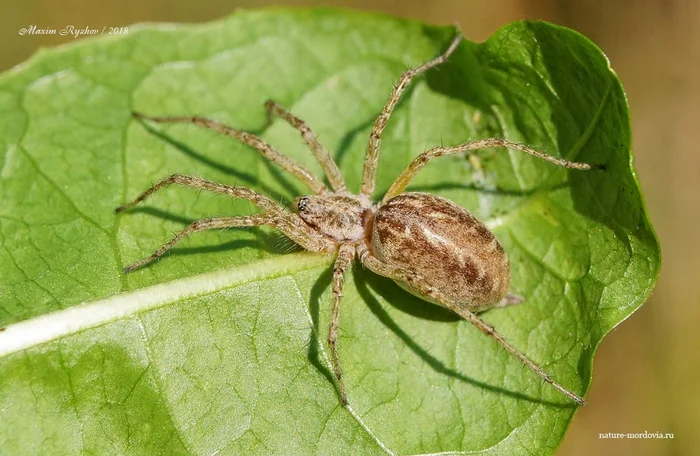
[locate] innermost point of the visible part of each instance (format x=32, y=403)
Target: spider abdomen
x=443, y=244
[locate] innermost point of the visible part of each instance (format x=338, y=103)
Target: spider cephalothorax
x=339, y=216
x=429, y=245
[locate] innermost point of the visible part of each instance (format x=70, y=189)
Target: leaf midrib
x=48, y=327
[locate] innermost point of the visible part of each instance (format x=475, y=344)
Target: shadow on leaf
x=263, y=241
x=321, y=284
x=240, y=176
x=405, y=302
x=414, y=306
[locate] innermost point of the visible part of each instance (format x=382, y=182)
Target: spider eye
x=303, y=202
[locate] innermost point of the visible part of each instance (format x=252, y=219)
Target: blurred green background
x=646, y=373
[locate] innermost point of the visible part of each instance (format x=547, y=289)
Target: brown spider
x=428, y=245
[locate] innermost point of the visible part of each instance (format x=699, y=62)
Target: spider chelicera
x=427, y=244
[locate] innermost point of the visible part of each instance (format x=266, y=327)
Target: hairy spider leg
x=330, y=168
x=200, y=225
x=288, y=223
x=346, y=254
x=369, y=172
x=401, y=274
x=417, y=164
x=269, y=152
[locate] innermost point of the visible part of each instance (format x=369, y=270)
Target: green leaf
x=219, y=347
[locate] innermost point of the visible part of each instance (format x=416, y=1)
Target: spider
x=427, y=244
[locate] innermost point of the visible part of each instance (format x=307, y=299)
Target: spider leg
x=288, y=223
x=322, y=156
x=201, y=225
x=369, y=171
x=259, y=200
x=346, y=254
x=417, y=164
x=395, y=273
x=269, y=152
